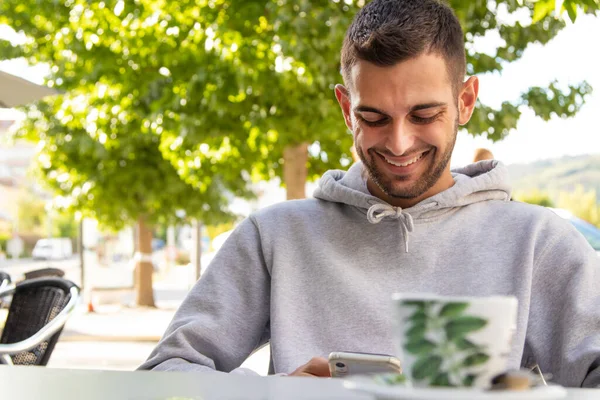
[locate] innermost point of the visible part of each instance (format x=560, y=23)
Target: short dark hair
x=386, y=32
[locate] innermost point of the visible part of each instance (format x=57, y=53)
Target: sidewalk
x=114, y=323
x=115, y=336
x=121, y=337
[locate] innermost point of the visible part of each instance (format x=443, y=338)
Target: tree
x=65, y=225
x=101, y=140
x=274, y=64
x=534, y=196
x=36, y=217
x=32, y=215
x=264, y=82
x=479, y=17
x=583, y=204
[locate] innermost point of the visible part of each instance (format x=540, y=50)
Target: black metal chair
x=4, y=280
x=38, y=312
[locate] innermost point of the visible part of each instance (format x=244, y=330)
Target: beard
x=437, y=166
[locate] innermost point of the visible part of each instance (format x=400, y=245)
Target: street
x=17, y=268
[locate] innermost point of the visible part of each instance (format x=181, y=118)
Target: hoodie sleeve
x=563, y=334
x=225, y=315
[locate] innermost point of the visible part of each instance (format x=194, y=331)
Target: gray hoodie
x=315, y=276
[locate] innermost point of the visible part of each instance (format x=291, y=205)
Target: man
x=317, y=275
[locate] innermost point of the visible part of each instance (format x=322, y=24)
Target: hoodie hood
x=482, y=181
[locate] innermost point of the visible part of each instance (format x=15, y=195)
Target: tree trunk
x=196, y=255
x=80, y=250
x=144, y=295
x=295, y=171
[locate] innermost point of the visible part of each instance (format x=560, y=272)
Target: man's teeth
x=406, y=164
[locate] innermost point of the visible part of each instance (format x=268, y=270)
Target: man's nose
x=400, y=139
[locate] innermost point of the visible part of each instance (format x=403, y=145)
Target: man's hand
x=316, y=367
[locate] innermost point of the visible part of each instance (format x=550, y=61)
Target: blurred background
x=135, y=135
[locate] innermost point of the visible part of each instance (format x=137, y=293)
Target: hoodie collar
x=482, y=181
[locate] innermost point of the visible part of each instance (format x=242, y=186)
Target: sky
x=573, y=56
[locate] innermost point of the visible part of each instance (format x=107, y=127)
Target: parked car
x=158, y=244
x=53, y=249
x=589, y=231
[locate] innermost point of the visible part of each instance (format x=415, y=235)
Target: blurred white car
x=52, y=249
x=589, y=231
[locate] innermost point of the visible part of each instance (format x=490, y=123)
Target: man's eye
x=378, y=122
x=424, y=120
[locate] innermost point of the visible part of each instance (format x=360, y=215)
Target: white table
x=38, y=383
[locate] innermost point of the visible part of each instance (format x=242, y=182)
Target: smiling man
x=315, y=276
x=405, y=119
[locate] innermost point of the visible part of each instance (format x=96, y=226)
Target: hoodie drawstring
x=379, y=211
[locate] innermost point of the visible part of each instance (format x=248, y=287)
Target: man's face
x=404, y=119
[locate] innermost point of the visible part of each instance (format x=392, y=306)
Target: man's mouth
x=406, y=163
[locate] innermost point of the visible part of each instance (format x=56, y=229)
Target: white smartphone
x=342, y=364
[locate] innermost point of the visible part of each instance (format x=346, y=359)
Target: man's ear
x=467, y=99
x=343, y=97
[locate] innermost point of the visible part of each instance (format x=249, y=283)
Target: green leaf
x=465, y=344
x=469, y=380
x=571, y=8
x=476, y=359
x=453, y=309
x=442, y=380
x=416, y=332
x=550, y=101
x=390, y=379
x=8, y=51
x=541, y=9
x=420, y=347
x=427, y=367
x=418, y=317
x=460, y=326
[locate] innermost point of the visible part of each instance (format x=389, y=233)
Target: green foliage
x=102, y=137
x=420, y=346
x=443, y=361
x=64, y=224
x=390, y=379
x=534, y=196
x=215, y=230
x=32, y=215
x=478, y=17
x=35, y=219
x=543, y=8
x=569, y=182
x=557, y=185
x=453, y=309
x=583, y=204
x=427, y=367
x=160, y=232
x=300, y=106
x=4, y=238
x=458, y=327
x=168, y=105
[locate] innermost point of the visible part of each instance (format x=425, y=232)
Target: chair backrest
x=45, y=272
x=4, y=279
x=4, y=282
x=35, y=302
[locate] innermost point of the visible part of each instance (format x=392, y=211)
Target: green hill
x=555, y=175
